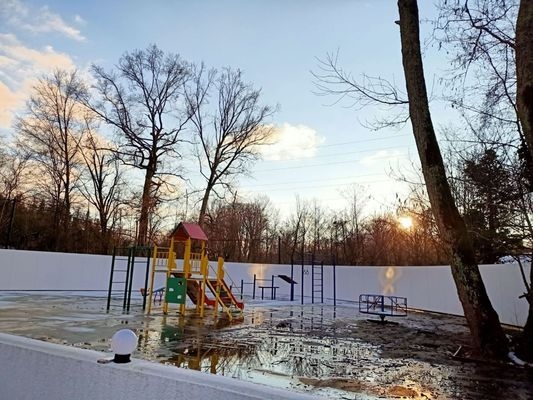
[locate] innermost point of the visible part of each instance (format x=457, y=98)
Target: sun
x=405, y=222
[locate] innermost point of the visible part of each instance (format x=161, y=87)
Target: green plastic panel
x=176, y=292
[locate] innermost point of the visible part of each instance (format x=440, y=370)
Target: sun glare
x=406, y=222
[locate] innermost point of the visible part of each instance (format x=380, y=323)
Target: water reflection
x=267, y=342
x=309, y=348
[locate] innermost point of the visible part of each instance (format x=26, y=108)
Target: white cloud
x=20, y=66
x=19, y=15
x=46, y=21
x=21, y=57
x=13, y=10
x=9, y=101
x=290, y=142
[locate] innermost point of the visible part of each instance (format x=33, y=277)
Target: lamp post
x=123, y=343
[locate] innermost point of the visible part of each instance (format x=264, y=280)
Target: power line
x=374, y=149
x=363, y=141
x=351, y=177
x=330, y=185
x=323, y=164
x=337, y=154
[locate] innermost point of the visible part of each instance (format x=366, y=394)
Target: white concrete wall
x=428, y=287
x=31, y=370
x=32, y=270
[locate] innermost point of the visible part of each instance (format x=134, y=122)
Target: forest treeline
x=253, y=231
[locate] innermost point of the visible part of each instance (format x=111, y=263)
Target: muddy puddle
x=330, y=351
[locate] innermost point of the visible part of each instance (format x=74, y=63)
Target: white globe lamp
x=123, y=343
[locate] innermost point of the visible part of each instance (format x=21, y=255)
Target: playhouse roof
x=186, y=230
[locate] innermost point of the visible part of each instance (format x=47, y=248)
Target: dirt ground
x=330, y=351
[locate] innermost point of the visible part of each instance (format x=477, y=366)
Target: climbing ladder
x=123, y=266
x=317, y=281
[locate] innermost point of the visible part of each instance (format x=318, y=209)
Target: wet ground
x=330, y=351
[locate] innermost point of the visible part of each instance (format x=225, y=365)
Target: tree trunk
x=205, y=200
x=146, y=206
x=485, y=328
x=524, y=70
x=525, y=346
x=524, y=102
x=104, y=235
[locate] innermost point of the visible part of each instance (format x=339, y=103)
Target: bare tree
x=318, y=225
x=483, y=321
x=355, y=196
x=492, y=46
x=254, y=226
x=12, y=167
x=143, y=100
x=230, y=133
x=297, y=228
x=424, y=244
x=49, y=133
x=332, y=79
x=524, y=71
x=104, y=184
x=486, y=331
x=479, y=35
x=479, y=39
x=381, y=236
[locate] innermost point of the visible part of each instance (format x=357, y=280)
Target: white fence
x=428, y=288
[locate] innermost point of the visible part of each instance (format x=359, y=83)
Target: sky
x=323, y=149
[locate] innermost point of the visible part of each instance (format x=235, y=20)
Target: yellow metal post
x=220, y=278
x=165, y=304
x=204, y=269
x=187, y=258
x=220, y=269
x=204, y=266
x=186, y=267
x=171, y=264
x=152, y=275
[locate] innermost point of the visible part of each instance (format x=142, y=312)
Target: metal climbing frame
x=317, y=280
x=122, y=271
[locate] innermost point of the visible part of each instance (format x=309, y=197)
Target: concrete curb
x=33, y=369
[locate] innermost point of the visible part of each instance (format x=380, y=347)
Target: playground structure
x=269, y=284
x=193, y=278
x=307, y=269
x=383, y=306
x=123, y=265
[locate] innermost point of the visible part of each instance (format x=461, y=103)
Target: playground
x=335, y=352
x=188, y=312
